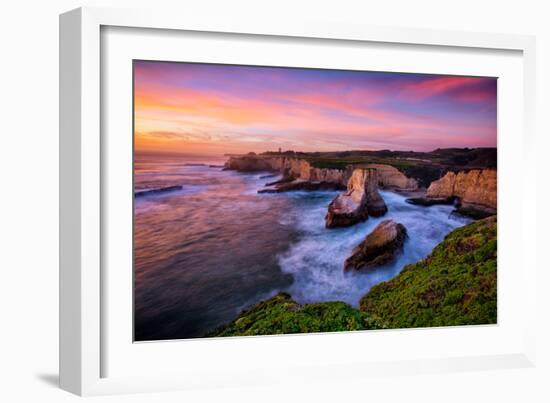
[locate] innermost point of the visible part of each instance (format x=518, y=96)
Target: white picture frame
x=84, y=343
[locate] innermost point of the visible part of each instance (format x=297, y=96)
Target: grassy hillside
x=282, y=315
x=455, y=285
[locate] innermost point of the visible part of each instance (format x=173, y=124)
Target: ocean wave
x=316, y=259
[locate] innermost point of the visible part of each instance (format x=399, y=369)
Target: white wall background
x=29, y=201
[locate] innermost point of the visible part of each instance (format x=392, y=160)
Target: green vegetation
x=455, y=285
x=282, y=315
x=343, y=162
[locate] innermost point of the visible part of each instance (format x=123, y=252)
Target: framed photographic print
x=276, y=200
x=237, y=195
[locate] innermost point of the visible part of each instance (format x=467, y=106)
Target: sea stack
x=360, y=200
x=379, y=247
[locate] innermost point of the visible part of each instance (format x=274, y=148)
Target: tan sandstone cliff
x=290, y=166
x=391, y=177
x=477, y=187
x=297, y=168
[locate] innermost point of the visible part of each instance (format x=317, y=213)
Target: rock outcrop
x=390, y=177
x=379, y=247
x=359, y=201
x=475, y=187
x=302, y=185
x=248, y=163
x=432, y=201
x=157, y=191
x=292, y=168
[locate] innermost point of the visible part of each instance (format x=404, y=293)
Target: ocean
x=208, y=250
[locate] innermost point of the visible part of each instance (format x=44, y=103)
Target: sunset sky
x=209, y=110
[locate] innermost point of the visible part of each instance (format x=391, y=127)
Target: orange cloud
x=223, y=114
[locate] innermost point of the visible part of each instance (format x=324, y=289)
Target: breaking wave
x=316, y=259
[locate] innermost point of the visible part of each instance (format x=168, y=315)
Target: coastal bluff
x=291, y=168
x=295, y=168
x=472, y=191
x=391, y=178
x=477, y=187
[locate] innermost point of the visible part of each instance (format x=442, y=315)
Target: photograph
x=243, y=202
x=273, y=200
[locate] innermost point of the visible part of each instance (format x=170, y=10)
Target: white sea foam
x=316, y=259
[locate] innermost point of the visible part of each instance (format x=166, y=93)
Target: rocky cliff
x=475, y=187
x=291, y=167
x=247, y=163
x=391, y=177
x=297, y=168
x=359, y=201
